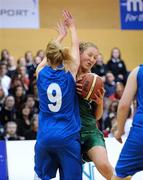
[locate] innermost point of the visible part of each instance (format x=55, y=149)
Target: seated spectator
x=33, y=67
x=11, y=131
x=4, y=56
x=111, y=115
x=23, y=76
x=11, y=67
x=99, y=68
x=16, y=81
x=24, y=122
x=119, y=89
x=5, y=80
x=34, y=91
x=117, y=66
x=2, y=97
x=32, y=132
x=20, y=95
x=29, y=62
x=109, y=84
x=21, y=62
x=40, y=53
x=30, y=102
x=8, y=111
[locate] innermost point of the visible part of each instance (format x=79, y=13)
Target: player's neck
x=82, y=71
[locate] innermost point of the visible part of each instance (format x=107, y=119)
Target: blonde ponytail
x=58, y=55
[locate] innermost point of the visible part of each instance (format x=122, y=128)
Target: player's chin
x=88, y=68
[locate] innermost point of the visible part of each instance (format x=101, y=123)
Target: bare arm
x=125, y=103
x=74, y=42
x=62, y=32
x=41, y=65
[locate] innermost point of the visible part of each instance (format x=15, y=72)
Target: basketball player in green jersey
x=92, y=140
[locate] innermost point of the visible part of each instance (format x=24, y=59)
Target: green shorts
x=90, y=139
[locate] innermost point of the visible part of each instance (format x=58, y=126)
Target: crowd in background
x=19, y=103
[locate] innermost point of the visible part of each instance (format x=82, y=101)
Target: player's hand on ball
x=79, y=84
x=79, y=88
x=99, y=96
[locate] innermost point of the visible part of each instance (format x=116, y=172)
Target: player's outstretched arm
x=61, y=28
x=62, y=32
x=125, y=103
x=69, y=21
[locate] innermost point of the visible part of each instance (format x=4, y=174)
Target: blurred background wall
x=97, y=21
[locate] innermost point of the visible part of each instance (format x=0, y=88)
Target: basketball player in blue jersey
x=58, y=142
x=131, y=157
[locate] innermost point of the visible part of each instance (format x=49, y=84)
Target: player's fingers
x=78, y=85
x=65, y=15
x=80, y=77
x=69, y=14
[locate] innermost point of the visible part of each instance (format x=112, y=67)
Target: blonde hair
x=84, y=45
x=57, y=55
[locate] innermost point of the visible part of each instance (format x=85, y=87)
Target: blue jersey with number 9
x=59, y=111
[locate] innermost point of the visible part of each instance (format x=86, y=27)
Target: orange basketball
x=91, y=83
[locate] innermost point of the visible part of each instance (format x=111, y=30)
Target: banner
x=131, y=14
x=3, y=161
x=19, y=14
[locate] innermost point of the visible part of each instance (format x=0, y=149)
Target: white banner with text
x=19, y=14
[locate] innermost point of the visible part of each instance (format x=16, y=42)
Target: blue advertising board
x=131, y=14
x=3, y=161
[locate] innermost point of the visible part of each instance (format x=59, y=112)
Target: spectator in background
x=32, y=132
x=2, y=97
x=111, y=115
x=11, y=65
x=119, y=90
x=4, y=56
x=24, y=122
x=99, y=68
x=29, y=61
x=32, y=70
x=11, y=131
x=21, y=62
x=117, y=66
x=16, y=81
x=8, y=112
x=30, y=102
x=40, y=53
x=34, y=91
x=19, y=94
x=109, y=84
x=4, y=79
x=23, y=76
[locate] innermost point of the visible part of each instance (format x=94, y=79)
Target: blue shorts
x=131, y=157
x=66, y=157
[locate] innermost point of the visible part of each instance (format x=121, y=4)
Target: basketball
x=91, y=83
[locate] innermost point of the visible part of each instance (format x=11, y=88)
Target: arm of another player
x=125, y=103
x=62, y=32
x=75, y=42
